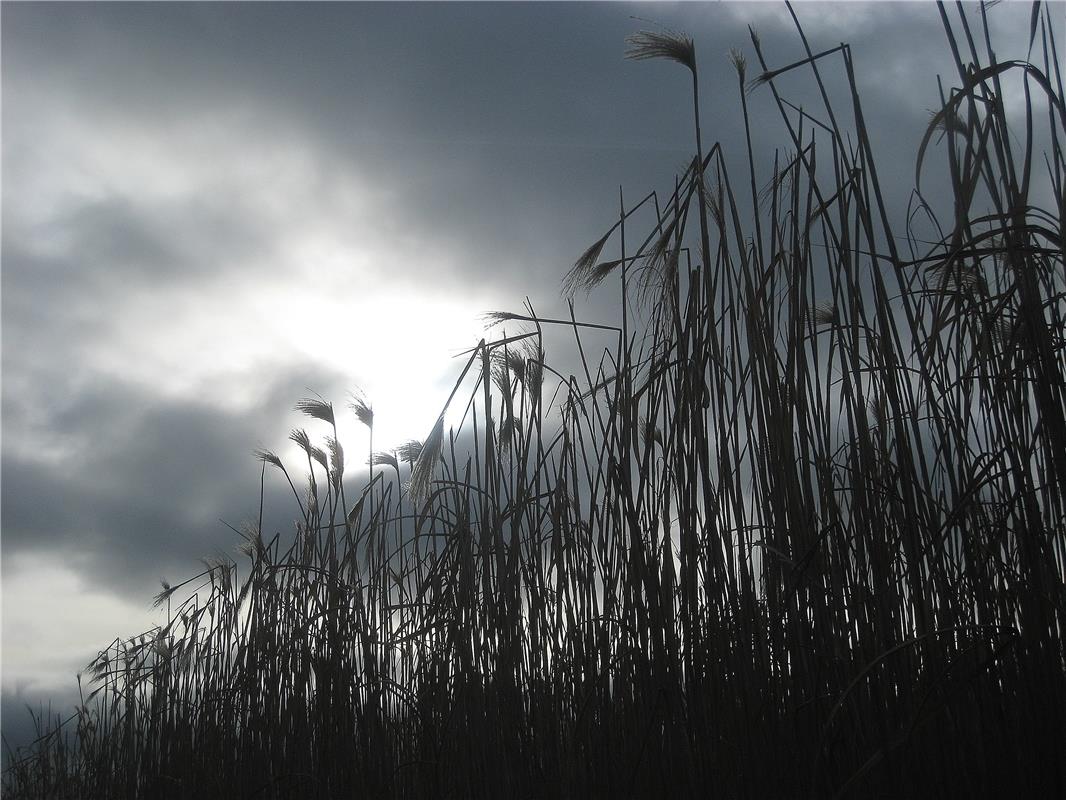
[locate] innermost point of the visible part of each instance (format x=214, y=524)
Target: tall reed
x=801, y=534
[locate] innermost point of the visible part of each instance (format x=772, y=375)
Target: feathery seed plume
x=268, y=457
x=409, y=451
x=384, y=458
x=740, y=64
x=336, y=453
x=669, y=45
x=422, y=472
x=363, y=410
x=584, y=275
x=319, y=409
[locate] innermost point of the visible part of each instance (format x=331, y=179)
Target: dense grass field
x=798, y=531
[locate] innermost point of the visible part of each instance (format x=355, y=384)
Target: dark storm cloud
x=131, y=240
x=143, y=481
x=99, y=250
x=505, y=128
x=478, y=116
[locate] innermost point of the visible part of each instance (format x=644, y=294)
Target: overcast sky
x=213, y=210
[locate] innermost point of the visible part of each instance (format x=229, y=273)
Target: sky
x=213, y=210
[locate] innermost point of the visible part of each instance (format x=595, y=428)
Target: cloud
x=129, y=485
x=39, y=587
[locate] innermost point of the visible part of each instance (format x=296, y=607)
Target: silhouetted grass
x=799, y=534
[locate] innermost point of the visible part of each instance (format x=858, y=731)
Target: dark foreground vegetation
x=798, y=533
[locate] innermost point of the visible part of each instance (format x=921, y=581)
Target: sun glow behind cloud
x=259, y=250
x=196, y=258
x=398, y=348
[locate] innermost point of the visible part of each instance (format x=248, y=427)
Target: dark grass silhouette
x=800, y=533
